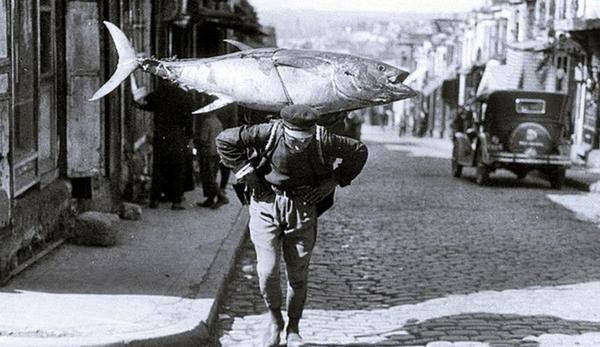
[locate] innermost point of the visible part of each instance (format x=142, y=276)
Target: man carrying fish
x=283, y=208
x=300, y=169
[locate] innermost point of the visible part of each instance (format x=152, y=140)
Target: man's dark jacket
x=291, y=170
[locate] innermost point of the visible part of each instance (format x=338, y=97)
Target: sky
x=370, y=5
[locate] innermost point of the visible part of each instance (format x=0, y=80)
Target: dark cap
x=299, y=117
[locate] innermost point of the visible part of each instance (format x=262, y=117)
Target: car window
x=530, y=106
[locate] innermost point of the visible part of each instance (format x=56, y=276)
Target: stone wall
x=39, y=217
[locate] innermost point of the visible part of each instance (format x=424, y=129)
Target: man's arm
x=233, y=145
x=353, y=154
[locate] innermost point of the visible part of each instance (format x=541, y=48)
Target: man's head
x=299, y=120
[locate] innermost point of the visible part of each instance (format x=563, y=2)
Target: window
x=516, y=27
x=46, y=41
x=562, y=9
x=3, y=29
x=25, y=144
x=5, y=98
x=47, y=139
x=137, y=24
x=562, y=66
x=530, y=106
x=34, y=108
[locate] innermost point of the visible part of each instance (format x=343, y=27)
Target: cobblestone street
x=411, y=256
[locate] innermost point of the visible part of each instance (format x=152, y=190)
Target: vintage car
x=515, y=130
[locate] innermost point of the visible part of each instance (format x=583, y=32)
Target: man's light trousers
x=279, y=223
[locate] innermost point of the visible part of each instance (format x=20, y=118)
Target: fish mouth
x=398, y=78
x=402, y=91
x=397, y=88
x=387, y=94
x=383, y=91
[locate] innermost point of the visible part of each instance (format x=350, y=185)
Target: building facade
x=538, y=45
x=61, y=154
x=580, y=20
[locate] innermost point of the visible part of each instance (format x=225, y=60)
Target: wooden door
x=84, y=118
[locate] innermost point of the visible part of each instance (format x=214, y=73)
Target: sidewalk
x=583, y=179
x=577, y=177
x=159, y=286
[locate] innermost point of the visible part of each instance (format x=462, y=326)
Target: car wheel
x=557, y=178
x=521, y=174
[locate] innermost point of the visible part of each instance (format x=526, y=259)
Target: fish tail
x=128, y=61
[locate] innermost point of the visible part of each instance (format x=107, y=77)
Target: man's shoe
x=293, y=340
x=217, y=204
x=271, y=338
x=177, y=206
x=223, y=196
x=206, y=203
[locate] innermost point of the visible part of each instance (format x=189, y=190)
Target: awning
x=450, y=92
x=495, y=77
x=185, y=13
x=530, y=45
x=416, y=75
x=238, y=25
x=229, y=20
x=431, y=86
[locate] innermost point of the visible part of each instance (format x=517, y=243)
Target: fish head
x=371, y=82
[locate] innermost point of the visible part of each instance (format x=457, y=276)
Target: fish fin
x=311, y=64
x=221, y=101
x=299, y=60
x=128, y=62
x=241, y=46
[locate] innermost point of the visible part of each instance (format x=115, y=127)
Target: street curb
x=225, y=259
x=571, y=182
x=582, y=186
x=219, y=271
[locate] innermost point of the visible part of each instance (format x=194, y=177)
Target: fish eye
x=381, y=68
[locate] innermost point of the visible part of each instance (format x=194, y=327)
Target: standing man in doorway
x=172, y=162
x=283, y=210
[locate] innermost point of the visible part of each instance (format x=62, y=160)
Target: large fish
x=268, y=79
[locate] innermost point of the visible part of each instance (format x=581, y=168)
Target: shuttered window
x=25, y=165
x=47, y=127
x=137, y=14
x=35, y=142
x=5, y=108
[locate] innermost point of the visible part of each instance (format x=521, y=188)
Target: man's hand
x=318, y=193
x=252, y=180
x=139, y=94
x=255, y=184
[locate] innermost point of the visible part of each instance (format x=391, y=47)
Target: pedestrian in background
x=334, y=122
x=283, y=207
x=172, y=161
x=208, y=157
x=353, y=124
x=229, y=118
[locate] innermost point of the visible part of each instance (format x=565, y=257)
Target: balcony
x=580, y=15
